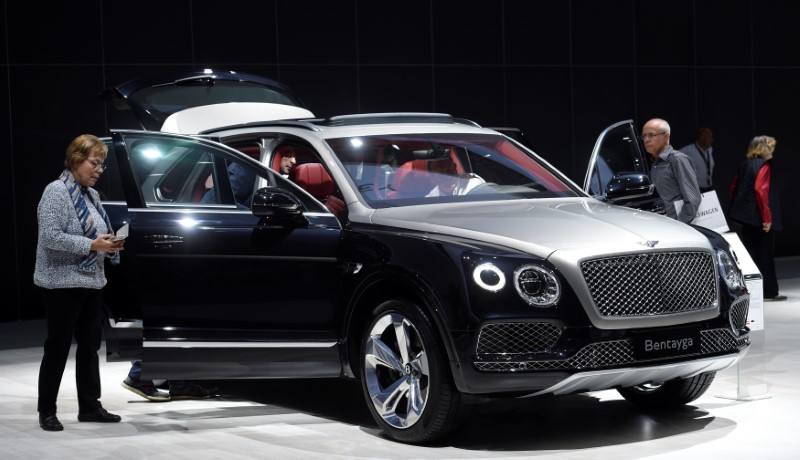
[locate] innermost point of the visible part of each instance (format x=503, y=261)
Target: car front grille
x=613, y=353
x=651, y=284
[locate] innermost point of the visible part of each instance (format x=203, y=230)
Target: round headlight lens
x=537, y=285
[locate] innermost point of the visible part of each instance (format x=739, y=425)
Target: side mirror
x=634, y=190
x=275, y=202
x=628, y=185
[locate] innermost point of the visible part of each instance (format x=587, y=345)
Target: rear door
x=222, y=292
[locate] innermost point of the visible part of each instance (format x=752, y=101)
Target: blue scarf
x=76, y=191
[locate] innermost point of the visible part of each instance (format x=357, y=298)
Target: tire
x=405, y=376
x=668, y=395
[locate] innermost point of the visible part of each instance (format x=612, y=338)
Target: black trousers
x=71, y=313
x=761, y=246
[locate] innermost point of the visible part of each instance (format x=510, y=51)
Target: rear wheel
x=668, y=395
x=405, y=377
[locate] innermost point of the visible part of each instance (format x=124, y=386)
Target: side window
x=183, y=172
x=231, y=182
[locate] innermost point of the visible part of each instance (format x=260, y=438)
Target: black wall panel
x=146, y=32
x=219, y=32
x=536, y=35
x=540, y=103
x=602, y=32
x=665, y=33
x=560, y=70
x=402, y=38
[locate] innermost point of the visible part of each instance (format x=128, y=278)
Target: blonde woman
x=755, y=205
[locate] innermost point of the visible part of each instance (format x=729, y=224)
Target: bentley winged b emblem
x=649, y=243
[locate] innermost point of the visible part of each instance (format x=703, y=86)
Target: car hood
x=573, y=227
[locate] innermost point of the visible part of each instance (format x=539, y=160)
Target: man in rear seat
x=242, y=182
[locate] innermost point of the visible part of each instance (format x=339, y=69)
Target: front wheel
x=405, y=377
x=668, y=395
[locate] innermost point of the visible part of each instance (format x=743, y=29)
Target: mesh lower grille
x=504, y=338
x=613, y=353
x=739, y=312
x=656, y=283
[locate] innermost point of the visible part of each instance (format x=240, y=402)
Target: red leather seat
x=411, y=180
x=314, y=179
x=251, y=150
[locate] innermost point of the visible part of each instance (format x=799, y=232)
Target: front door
x=225, y=293
x=618, y=162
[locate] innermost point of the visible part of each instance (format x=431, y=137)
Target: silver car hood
x=571, y=227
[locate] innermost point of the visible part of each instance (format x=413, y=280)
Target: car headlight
x=729, y=270
x=489, y=277
x=537, y=285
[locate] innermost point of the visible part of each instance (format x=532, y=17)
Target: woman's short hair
x=82, y=147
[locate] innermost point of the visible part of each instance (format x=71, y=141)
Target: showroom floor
x=750, y=412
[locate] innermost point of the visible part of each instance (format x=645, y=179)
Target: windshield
x=400, y=170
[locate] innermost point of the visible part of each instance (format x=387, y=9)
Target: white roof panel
x=198, y=119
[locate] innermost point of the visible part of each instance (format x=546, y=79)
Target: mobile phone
x=122, y=233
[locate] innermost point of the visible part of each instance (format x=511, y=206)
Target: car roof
x=154, y=98
x=366, y=124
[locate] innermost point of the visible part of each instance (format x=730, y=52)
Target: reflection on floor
x=328, y=418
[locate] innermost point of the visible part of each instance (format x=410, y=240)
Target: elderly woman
x=75, y=238
x=755, y=206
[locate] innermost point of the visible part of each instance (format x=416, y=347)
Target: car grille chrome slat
x=614, y=353
x=655, y=283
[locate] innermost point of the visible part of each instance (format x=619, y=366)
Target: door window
x=617, y=151
x=188, y=172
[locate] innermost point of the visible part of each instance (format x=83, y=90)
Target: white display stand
x=751, y=383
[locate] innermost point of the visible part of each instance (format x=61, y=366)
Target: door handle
x=163, y=239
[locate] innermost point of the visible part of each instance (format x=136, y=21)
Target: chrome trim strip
x=234, y=345
x=627, y=377
x=124, y=324
x=244, y=257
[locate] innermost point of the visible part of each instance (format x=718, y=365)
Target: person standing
x=755, y=205
x=702, y=155
x=672, y=172
x=74, y=240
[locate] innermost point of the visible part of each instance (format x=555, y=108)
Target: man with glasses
x=672, y=172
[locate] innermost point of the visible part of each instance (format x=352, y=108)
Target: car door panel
x=244, y=282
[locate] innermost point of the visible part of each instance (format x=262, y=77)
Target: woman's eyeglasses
x=97, y=165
